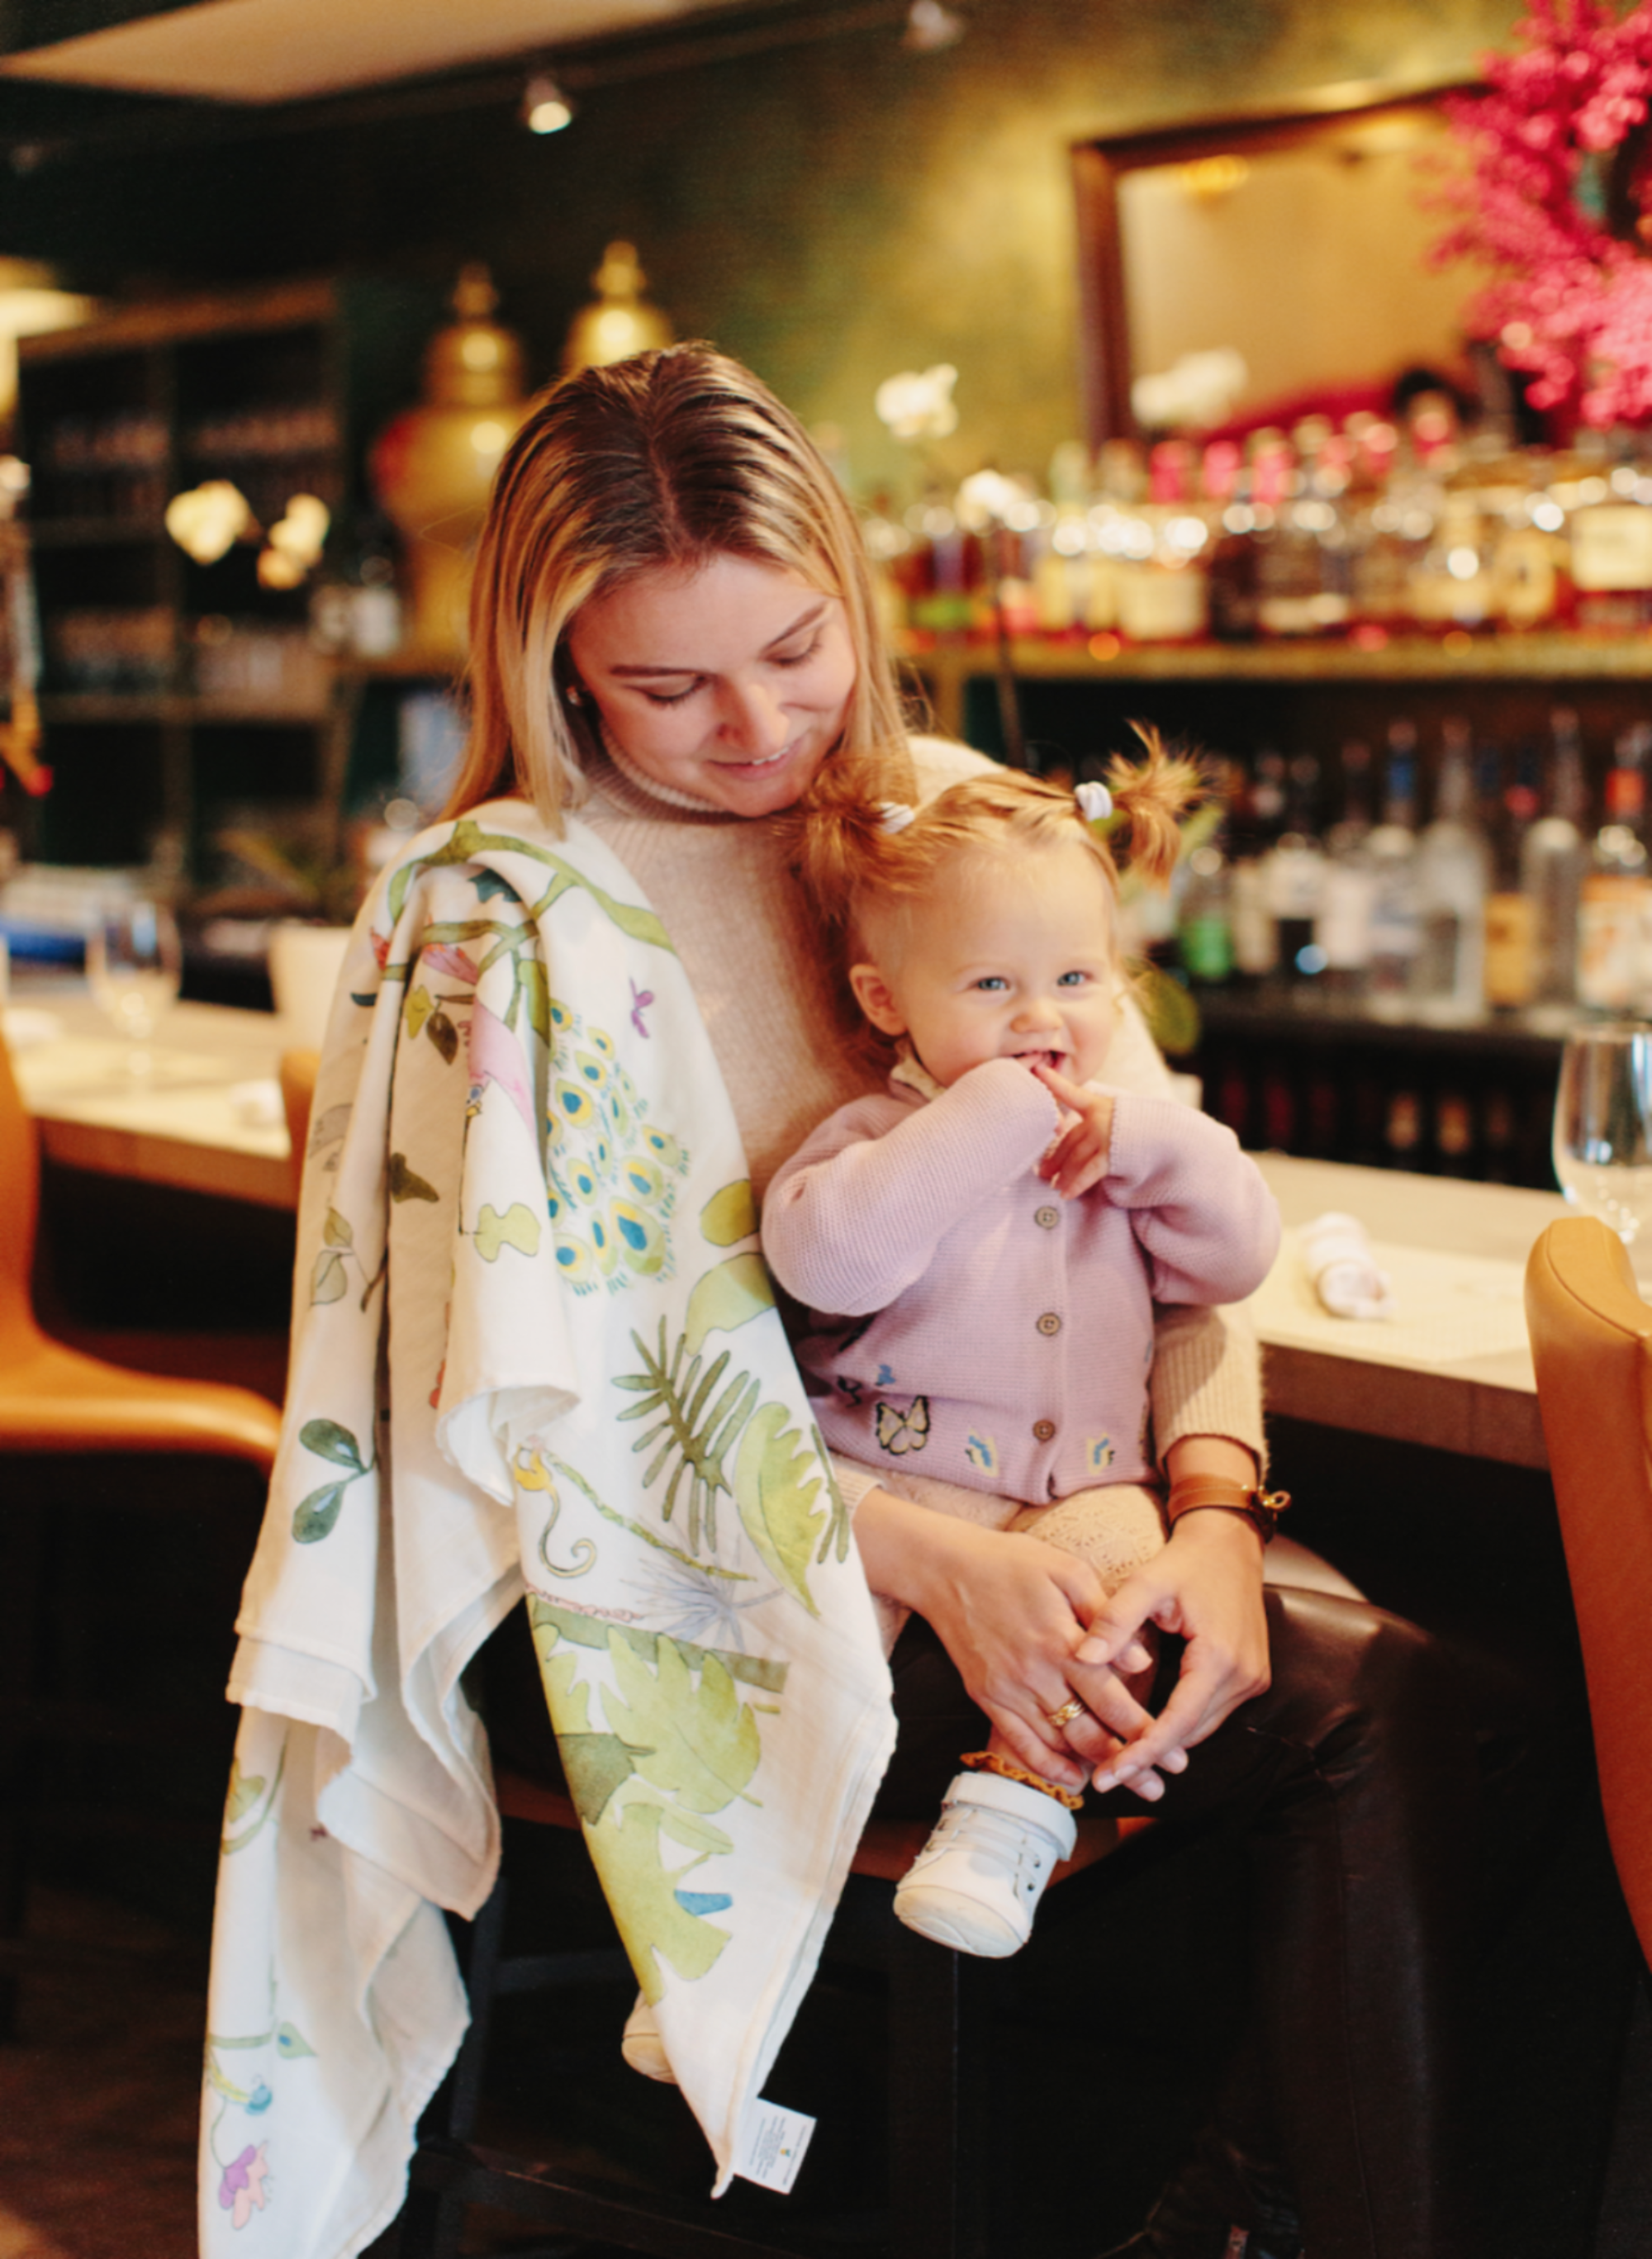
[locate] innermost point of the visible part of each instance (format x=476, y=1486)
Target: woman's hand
x=1206, y=1585
x=1011, y=1613
x=1078, y=1157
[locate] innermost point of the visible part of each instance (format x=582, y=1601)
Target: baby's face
x=1011, y=957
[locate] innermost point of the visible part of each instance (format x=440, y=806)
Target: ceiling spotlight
x=930, y=27
x=545, y=109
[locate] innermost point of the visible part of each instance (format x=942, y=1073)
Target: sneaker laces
x=1002, y=1835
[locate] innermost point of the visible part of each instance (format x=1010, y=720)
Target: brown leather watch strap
x=1260, y=1508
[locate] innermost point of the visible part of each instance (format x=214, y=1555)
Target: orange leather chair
x=1592, y=1345
x=56, y=1401
x=298, y=1071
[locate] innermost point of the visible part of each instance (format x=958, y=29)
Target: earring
x=572, y=694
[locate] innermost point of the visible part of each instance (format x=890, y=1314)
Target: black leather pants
x=1358, y=1776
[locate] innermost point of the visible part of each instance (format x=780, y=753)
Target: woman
x=673, y=631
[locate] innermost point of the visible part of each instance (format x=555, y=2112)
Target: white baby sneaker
x=642, y=2047
x=976, y=1884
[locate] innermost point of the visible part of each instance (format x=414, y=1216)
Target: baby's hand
x=1078, y=1157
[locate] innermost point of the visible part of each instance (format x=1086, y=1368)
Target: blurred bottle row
x=1509, y=896
x=1368, y=529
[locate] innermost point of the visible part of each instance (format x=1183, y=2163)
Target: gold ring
x=1066, y=1714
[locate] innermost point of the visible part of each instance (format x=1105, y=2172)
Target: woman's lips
x=753, y=768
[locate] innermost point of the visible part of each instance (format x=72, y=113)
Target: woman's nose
x=753, y=719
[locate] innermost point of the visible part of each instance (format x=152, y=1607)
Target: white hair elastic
x=894, y=815
x=1094, y=800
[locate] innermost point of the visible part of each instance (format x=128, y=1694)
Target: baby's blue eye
x=1072, y=979
x=992, y=980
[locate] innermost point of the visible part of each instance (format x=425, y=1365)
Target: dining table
x=197, y=1107
x=1450, y=1368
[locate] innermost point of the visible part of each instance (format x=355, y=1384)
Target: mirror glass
x=1300, y=246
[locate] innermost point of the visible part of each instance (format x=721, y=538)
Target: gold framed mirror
x=1298, y=240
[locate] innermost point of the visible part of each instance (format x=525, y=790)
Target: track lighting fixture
x=545, y=108
x=930, y=27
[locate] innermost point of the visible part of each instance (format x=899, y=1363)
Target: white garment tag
x=773, y=2145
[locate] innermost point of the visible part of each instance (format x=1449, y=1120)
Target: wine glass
x=1603, y=1127
x=134, y=967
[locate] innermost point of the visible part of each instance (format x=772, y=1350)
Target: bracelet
x=988, y=1761
x=1194, y=1493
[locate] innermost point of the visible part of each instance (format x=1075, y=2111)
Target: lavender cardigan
x=969, y=1323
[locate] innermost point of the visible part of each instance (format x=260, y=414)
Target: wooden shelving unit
x=277, y=390
x=1459, y=662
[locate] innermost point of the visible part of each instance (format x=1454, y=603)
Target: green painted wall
x=831, y=213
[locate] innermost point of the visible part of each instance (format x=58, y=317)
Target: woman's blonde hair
x=853, y=866
x=667, y=460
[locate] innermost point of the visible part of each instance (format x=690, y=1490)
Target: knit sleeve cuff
x=1207, y=1379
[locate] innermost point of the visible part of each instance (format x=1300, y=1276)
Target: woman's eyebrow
x=805, y=619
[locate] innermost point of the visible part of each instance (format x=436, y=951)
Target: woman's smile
x=731, y=683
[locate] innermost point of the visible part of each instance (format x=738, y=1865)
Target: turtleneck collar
x=651, y=787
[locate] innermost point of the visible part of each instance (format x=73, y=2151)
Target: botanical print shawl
x=535, y=1350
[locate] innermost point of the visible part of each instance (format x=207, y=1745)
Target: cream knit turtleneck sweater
x=736, y=915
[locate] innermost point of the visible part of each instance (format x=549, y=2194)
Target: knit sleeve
x=1206, y=1378
x=856, y=1215
x=1200, y=1208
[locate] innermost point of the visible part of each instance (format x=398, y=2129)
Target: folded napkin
x=1336, y=1254
x=24, y=1027
x=257, y=1104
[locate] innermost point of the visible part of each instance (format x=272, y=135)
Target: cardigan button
x=1047, y=1218
x=1049, y=1323
x=1043, y=1429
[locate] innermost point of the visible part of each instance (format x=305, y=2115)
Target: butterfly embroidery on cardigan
x=900, y=1432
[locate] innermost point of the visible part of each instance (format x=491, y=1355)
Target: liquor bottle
x=1510, y=955
x=1396, y=934
x=1348, y=899
x=1161, y=585
x=1229, y=486
x=1257, y=824
x=1553, y=857
x=1452, y=585
x=1205, y=931
x=1612, y=555
x=1453, y=868
x=1296, y=875
x=1303, y=560
x=1615, y=901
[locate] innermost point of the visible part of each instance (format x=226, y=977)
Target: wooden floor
x=100, y=2094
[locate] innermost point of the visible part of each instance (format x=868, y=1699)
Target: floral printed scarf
x=535, y=1350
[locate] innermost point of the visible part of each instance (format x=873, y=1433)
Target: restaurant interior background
x=831, y=205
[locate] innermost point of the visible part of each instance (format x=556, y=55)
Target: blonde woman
x=672, y=631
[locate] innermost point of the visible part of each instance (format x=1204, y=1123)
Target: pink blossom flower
x=242, y=2186
x=1577, y=295
x=447, y=958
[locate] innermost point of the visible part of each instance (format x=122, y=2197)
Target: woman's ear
x=876, y=1000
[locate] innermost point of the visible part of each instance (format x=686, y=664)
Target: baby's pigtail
x=1152, y=797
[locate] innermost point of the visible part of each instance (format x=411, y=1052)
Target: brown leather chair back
x=1592, y=1345
x=298, y=1096
x=19, y=1211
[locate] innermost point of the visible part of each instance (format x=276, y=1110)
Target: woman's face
x=731, y=683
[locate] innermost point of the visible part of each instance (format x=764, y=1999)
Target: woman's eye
x=799, y=658
x=670, y=697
